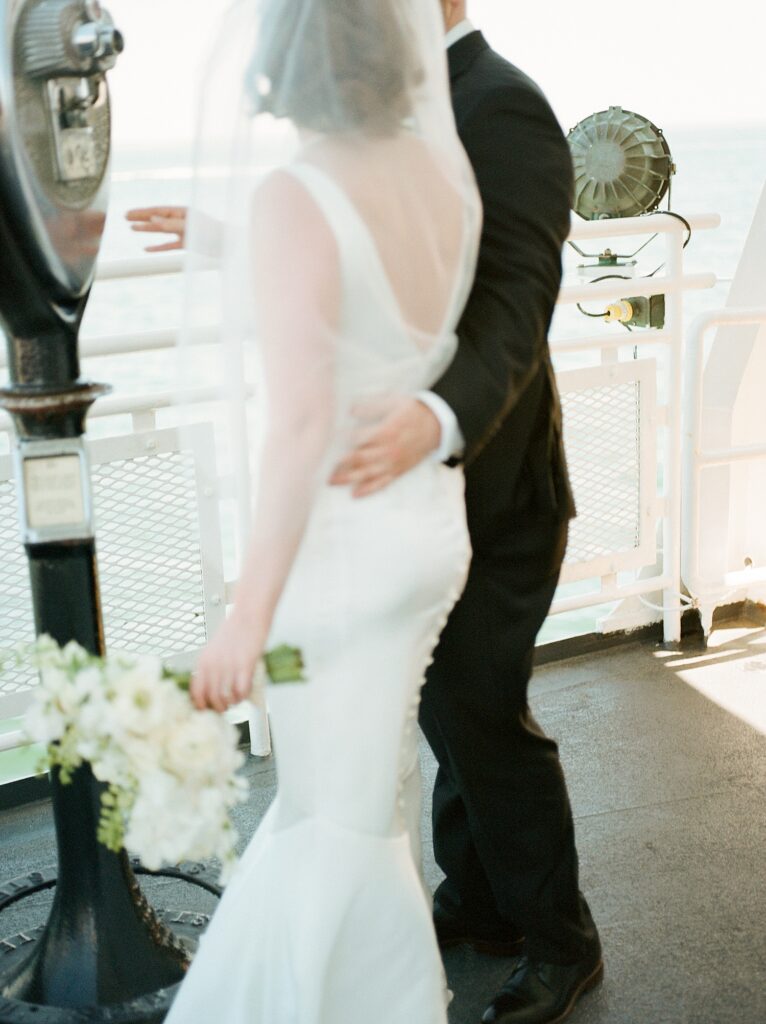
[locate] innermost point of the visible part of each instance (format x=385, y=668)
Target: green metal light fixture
x=622, y=168
x=622, y=163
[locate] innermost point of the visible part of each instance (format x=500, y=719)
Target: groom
x=503, y=830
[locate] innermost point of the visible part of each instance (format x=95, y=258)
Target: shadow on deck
x=668, y=781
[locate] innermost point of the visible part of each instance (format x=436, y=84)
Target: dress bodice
x=379, y=357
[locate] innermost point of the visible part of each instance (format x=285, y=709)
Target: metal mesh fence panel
x=149, y=553
x=603, y=444
x=16, y=619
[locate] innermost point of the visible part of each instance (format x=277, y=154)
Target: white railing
x=665, y=506
x=12, y=740
x=708, y=591
x=614, y=348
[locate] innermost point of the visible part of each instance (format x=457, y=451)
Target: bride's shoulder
x=283, y=207
x=292, y=246
x=282, y=193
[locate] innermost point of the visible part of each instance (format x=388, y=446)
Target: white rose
x=44, y=723
x=88, y=682
x=194, y=746
x=110, y=765
x=93, y=723
x=137, y=705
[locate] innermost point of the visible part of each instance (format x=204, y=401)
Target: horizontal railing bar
x=736, y=316
x=659, y=223
x=141, y=266
x=127, y=344
x=744, y=577
x=145, y=341
x=725, y=456
x=644, y=586
x=158, y=341
x=121, y=405
x=612, y=340
x=608, y=291
x=13, y=740
x=155, y=341
x=173, y=262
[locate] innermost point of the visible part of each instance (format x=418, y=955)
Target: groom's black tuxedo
x=501, y=383
x=503, y=831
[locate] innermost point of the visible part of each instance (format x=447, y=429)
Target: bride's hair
x=336, y=65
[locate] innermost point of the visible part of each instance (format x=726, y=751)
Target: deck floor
x=665, y=755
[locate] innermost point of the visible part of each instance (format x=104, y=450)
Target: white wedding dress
x=326, y=920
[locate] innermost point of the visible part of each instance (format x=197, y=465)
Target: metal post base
x=149, y=1009
x=186, y=925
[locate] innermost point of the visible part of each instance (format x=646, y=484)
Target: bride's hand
x=161, y=220
x=226, y=667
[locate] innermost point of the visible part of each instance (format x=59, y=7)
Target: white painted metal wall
x=724, y=553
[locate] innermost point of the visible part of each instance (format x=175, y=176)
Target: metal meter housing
x=54, y=146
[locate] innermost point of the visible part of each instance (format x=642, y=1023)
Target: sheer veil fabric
x=333, y=242
x=356, y=91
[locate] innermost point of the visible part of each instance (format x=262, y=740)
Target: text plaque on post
x=54, y=491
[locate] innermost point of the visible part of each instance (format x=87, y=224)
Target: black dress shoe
x=496, y=941
x=539, y=993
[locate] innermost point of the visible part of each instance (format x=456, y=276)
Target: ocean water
x=720, y=170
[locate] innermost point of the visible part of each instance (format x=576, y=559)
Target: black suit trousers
x=503, y=829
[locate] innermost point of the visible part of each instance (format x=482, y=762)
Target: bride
x=350, y=226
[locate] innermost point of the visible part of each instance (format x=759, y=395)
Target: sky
x=684, y=63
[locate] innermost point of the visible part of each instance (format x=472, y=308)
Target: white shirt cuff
x=452, y=440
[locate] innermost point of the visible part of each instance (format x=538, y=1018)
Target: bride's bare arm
x=297, y=292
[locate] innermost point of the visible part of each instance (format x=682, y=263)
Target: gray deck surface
x=669, y=794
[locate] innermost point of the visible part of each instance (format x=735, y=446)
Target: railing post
x=671, y=545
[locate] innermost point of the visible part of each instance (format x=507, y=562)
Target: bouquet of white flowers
x=170, y=769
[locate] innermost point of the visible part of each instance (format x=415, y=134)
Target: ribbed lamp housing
x=622, y=165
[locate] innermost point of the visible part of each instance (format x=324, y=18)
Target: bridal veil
x=332, y=246
x=357, y=92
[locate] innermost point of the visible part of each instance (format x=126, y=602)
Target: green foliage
x=116, y=805
x=285, y=665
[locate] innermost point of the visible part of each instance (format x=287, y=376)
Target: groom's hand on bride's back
x=409, y=434
x=160, y=220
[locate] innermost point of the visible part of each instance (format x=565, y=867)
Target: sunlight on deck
x=734, y=678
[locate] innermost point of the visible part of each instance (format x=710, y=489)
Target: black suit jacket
x=501, y=384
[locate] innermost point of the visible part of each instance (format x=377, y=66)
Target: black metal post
x=102, y=944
